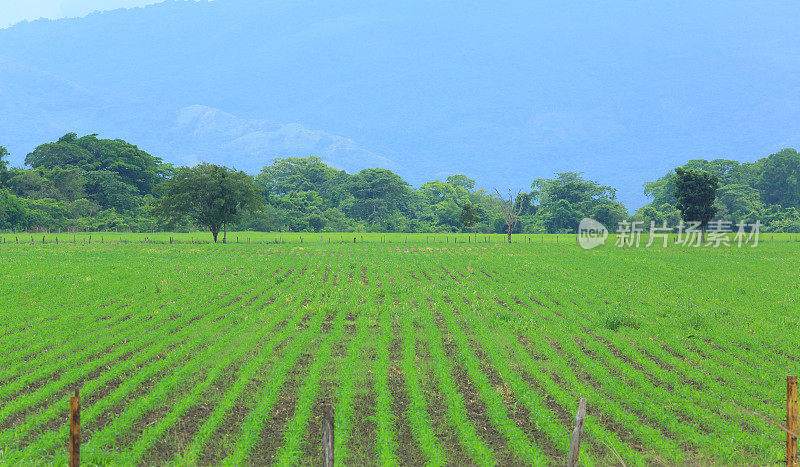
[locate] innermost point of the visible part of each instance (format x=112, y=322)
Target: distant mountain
x=205, y=133
x=504, y=92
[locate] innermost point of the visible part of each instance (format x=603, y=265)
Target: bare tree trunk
x=703, y=233
x=511, y=215
x=215, y=232
x=225, y=234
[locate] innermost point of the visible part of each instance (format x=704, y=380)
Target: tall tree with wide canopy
x=295, y=174
x=779, y=180
x=211, y=196
x=567, y=198
x=91, y=154
x=378, y=195
x=696, y=191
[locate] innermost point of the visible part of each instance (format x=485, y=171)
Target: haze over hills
x=502, y=92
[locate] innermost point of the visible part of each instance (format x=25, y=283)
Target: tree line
x=88, y=183
x=767, y=190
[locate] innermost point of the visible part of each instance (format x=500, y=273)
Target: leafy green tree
x=567, y=198
x=109, y=190
x=696, y=192
x=662, y=191
x=210, y=195
x=134, y=166
x=737, y=201
x=609, y=213
x=70, y=183
x=779, y=180
x=12, y=211
x=316, y=222
x=379, y=195
x=560, y=217
x=571, y=187
x=31, y=184
x=461, y=181
x=295, y=174
x=446, y=199
x=469, y=217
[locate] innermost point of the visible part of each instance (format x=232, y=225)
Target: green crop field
x=431, y=351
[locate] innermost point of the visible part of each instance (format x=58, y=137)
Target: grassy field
x=437, y=352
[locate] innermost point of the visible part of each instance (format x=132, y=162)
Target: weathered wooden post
x=791, y=421
x=328, y=441
x=575, y=442
x=75, y=430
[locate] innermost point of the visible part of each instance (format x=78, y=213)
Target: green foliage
x=696, y=192
x=210, y=195
x=764, y=190
x=133, y=166
x=378, y=196
x=3, y=166
x=779, y=179
x=12, y=210
x=567, y=199
x=469, y=216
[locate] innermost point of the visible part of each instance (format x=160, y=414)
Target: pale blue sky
x=14, y=11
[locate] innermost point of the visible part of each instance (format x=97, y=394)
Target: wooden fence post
x=575, y=442
x=75, y=430
x=328, y=441
x=791, y=421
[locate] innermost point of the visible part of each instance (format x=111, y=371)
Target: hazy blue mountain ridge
x=504, y=92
